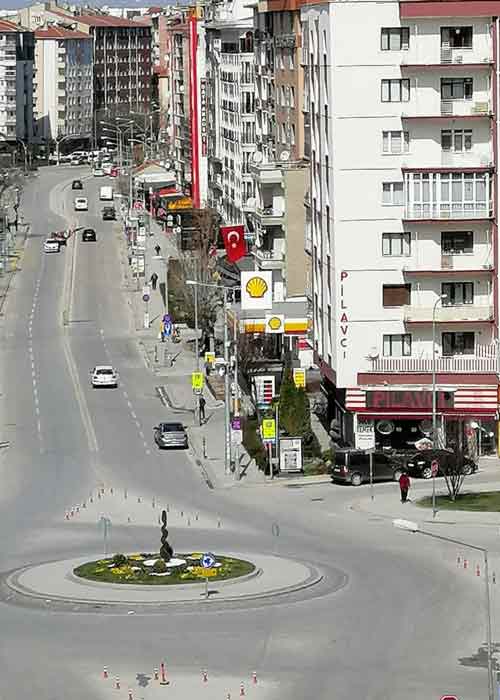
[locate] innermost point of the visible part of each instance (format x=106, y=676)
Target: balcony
x=443, y=212
x=269, y=259
x=485, y=361
x=450, y=265
x=464, y=109
x=467, y=313
x=267, y=173
x=269, y=216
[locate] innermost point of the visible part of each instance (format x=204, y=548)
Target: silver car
x=170, y=435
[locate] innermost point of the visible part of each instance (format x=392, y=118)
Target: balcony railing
x=269, y=259
x=269, y=216
x=460, y=210
x=459, y=364
x=448, y=314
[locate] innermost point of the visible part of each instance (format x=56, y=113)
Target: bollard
x=189, y=522
x=156, y=354
x=182, y=513
x=204, y=676
x=105, y=672
x=138, y=499
x=153, y=503
x=254, y=677
x=130, y=696
x=117, y=683
x=242, y=689
x=156, y=674
x=163, y=671
x=125, y=494
x=128, y=519
x=66, y=515
x=84, y=504
x=218, y=523
x=204, y=441
x=196, y=516
x=111, y=491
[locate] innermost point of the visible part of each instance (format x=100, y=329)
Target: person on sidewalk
x=404, y=486
x=157, y=249
x=202, y=404
x=154, y=280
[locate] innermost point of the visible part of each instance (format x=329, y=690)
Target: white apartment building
x=402, y=102
x=16, y=82
x=63, y=83
x=230, y=64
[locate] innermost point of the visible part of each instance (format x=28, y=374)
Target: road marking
x=129, y=404
x=80, y=397
x=134, y=416
x=39, y=426
x=141, y=434
x=37, y=410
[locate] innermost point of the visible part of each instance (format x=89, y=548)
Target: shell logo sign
x=275, y=323
x=256, y=290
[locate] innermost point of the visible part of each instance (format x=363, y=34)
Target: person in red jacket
x=404, y=485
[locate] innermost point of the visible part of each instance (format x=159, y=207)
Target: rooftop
x=95, y=20
x=60, y=33
x=6, y=26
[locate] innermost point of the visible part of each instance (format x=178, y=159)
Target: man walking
x=404, y=485
x=154, y=280
x=157, y=249
x=202, y=403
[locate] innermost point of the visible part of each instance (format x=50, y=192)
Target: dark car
x=419, y=464
x=88, y=234
x=108, y=214
x=353, y=467
x=77, y=185
x=170, y=435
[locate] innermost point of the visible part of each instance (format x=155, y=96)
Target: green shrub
x=253, y=443
x=119, y=560
x=159, y=567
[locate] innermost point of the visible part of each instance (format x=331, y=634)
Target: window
x=395, y=295
x=396, y=90
x=392, y=193
x=457, y=242
x=457, y=140
x=395, y=142
x=396, y=244
x=394, y=38
x=456, y=37
x=457, y=293
x=397, y=345
x=456, y=88
x=457, y=343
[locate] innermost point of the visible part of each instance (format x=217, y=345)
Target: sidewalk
x=15, y=239
x=173, y=363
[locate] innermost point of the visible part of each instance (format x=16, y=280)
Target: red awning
x=164, y=191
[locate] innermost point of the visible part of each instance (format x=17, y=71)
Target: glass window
x=396, y=244
x=395, y=90
x=456, y=37
x=459, y=343
x=392, y=193
x=395, y=38
x=458, y=293
x=457, y=242
x=456, y=88
x=397, y=345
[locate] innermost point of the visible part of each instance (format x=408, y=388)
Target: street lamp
x=411, y=526
x=435, y=444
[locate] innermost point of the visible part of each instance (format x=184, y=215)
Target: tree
x=294, y=413
x=455, y=470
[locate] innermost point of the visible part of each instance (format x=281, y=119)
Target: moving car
x=88, y=234
x=108, y=214
x=77, y=161
x=106, y=193
x=104, y=375
x=77, y=185
x=98, y=172
x=419, y=464
x=81, y=204
x=107, y=167
x=170, y=435
x=353, y=467
x=51, y=246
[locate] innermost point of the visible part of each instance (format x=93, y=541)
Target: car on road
x=170, y=435
x=108, y=214
x=77, y=161
x=98, y=172
x=420, y=463
x=104, y=375
x=81, y=204
x=107, y=167
x=77, y=185
x=88, y=234
x=51, y=246
x=353, y=467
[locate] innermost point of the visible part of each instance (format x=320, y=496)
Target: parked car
x=98, y=172
x=420, y=462
x=170, y=435
x=104, y=375
x=353, y=467
x=88, y=234
x=108, y=214
x=77, y=185
x=81, y=204
x=77, y=161
x=51, y=246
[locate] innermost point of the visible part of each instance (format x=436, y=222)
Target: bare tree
x=457, y=466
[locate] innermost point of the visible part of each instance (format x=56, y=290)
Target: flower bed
x=149, y=569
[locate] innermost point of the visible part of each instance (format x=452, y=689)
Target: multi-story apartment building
x=404, y=214
x=63, y=83
x=231, y=99
x=276, y=212
x=188, y=103
x=16, y=82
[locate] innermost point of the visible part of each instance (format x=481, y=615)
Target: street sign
x=138, y=205
x=236, y=423
x=210, y=358
x=269, y=429
x=299, y=378
x=364, y=437
x=197, y=380
x=208, y=560
x=434, y=467
x=449, y=697
x=145, y=293
x=236, y=436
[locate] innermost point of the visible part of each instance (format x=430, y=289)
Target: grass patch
x=488, y=501
x=132, y=570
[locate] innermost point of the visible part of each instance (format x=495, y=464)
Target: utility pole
x=196, y=341
x=237, y=474
x=227, y=435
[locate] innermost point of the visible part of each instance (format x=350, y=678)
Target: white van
x=106, y=194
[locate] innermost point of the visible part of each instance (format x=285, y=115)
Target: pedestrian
x=404, y=485
x=202, y=403
x=157, y=249
x=154, y=280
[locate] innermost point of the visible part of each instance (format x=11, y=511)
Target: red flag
x=234, y=242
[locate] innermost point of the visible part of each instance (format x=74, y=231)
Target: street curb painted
x=167, y=401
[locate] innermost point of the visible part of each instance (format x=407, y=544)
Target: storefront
x=399, y=418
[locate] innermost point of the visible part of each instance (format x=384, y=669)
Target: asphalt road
x=405, y=625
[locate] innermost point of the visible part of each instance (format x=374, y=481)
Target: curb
x=167, y=401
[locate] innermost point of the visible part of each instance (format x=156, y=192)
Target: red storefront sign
x=409, y=400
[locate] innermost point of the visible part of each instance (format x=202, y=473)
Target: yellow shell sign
x=256, y=287
x=274, y=323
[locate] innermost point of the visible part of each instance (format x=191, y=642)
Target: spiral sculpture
x=166, y=551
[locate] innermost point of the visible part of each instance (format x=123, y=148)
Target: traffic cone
x=242, y=689
x=478, y=570
x=254, y=677
x=117, y=683
x=205, y=676
x=163, y=672
x=105, y=672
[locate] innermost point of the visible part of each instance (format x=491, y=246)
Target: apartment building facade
x=403, y=223
x=16, y=82
x=231, y=100
x=63, y=83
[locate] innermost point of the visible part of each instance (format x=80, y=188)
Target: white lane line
x=129, y=405
x=148, y=452
x=39, y=426
x=32, y=365
x=125, y=394
x=37, y=410
x=134, y=416
x=141, y=434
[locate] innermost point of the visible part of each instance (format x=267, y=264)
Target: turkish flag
x=234, y=242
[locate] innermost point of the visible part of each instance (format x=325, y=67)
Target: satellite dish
x=257, y=157
x=373, y=354
x=284, y=156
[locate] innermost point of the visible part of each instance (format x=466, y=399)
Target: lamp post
x=435, y=444
x=411, y=526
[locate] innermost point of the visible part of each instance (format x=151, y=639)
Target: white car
x=81, y=204
x=104, y=375
x=107, y=167
x=98, y=172
x=51, y=246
